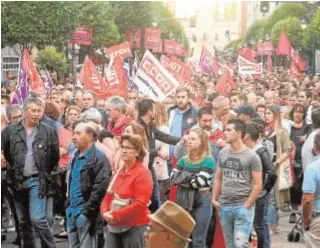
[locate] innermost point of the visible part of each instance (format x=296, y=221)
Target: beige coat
x=283, y=146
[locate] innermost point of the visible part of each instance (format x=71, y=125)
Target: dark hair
x=6, y=97
x=136, y=141
x=315, y=117
x=144, y=106
x=204, y=111
x=239, y=126
x=308, y=93
x=255, y=128
x=297, y=106
x=212, y=96
x=90, y=128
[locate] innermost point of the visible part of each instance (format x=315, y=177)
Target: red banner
x=265, y=48
x=157, y=48
x=133, y=36
x=92, y=80
x=35, y=82
x=116, y=78
x=247, y=53
x=180, y=50
x=152, y=37
x=122, y=50
x=82, y=36
x=170, y=46
x=165, y=62
x=176, y=67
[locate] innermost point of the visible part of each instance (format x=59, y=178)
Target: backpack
x=270, y=147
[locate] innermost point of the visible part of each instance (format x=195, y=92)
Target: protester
x=160, y=162
x=88, y=175
x=116, y=107
x=281, y=152
x=29, y=160
x=193, y=177
x=311, y=199
x=170, y=226
x=298, y=134
x=254, y=130
x=125, y=206
x=237, y=185
x=146, y=113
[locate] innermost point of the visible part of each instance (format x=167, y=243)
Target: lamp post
x=304, y=24
x=74, y=49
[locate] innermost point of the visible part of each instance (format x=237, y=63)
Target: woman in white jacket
x=160, y=163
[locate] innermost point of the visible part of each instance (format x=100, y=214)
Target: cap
x=247, y=110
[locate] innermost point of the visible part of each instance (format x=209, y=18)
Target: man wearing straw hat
x=170, y=227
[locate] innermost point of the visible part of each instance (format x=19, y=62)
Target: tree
x=234, y=45
x=37, y=24
x=256, y=31
x=52, y=60
x=312, y=31
x=286, y=10
x=291, y=26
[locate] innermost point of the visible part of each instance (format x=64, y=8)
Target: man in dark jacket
x=146, y=112
x=32, y=151
x=88, y=175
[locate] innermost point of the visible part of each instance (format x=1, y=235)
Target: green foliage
x=37, y=24
x=286, y=10
x=312, y=31
x=256, y=31
x=292, y=28
x=52, y=60
x=234, y=45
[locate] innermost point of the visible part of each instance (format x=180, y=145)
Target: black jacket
x=45, y=150
x=269, y=173
x=154, y=134
x=94, y=180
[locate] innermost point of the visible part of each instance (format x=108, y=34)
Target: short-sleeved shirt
x=311, y=182
x=236, y=184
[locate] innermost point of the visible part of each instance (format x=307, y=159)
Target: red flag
x=294, y=72
x=93, y=80
x=298, y=60
x=215, y=68
x=122, y=50
x=247, y=53
x=152, y=37
x=116, y=78
x=35, y=82
x=133, y=36
x=269, y=63
x=284, y=46
x=170, y=46
x=225, y=83
x=206, y=60
x=82, y=35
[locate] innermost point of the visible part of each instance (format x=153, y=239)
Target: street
x=278, y=241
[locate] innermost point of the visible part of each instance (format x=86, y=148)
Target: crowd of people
x=105, y=165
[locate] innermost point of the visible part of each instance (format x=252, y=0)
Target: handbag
x=285, y=175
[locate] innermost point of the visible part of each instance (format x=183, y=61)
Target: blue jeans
x=236, y=223
x=202, y=215
x=32, y=211
x=273, y=216
x=78, y=232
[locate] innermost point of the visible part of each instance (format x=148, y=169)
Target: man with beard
x=182, y=116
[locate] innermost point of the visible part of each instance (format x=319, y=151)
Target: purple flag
x=48, y=82
x=21, y=92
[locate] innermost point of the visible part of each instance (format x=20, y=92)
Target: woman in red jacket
x=125, y=206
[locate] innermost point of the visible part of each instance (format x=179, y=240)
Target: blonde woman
x=193, y=177
x=279, y=136
x=160, y=162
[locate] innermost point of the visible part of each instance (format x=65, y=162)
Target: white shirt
x=306, y=151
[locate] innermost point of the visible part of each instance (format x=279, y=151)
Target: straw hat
x=175, y=219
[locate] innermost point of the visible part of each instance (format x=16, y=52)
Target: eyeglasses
x=126, y=148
